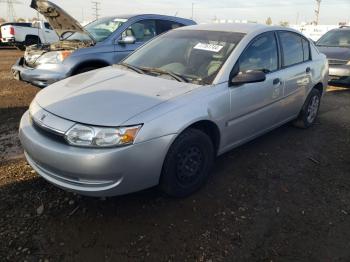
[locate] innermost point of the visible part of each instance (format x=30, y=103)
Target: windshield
x=338, y=38
x=196, y=56
x=100, y=29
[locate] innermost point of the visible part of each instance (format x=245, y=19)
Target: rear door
x=296, y=71
x=255, y=107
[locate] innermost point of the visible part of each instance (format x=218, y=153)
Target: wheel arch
x=96, y=63
x=208, y=127
x=32, y=36
x=319, y=86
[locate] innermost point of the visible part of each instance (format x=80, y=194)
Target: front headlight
x=54, y=57
x=90, y=136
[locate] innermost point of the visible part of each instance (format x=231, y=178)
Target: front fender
x=174, y=116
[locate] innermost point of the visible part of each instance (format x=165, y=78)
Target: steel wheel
x=187, y=164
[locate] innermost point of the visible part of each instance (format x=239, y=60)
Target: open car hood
x=59, y=19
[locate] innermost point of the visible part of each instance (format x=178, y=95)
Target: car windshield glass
x=196, y=56
x=100, y=29
x=338, y=38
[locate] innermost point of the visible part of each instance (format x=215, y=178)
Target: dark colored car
x=335, y=44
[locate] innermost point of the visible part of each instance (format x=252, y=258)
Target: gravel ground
x=282, y=197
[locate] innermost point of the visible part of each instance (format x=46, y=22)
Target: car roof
x=342, y=28
x=246, y=28
x=128, y=16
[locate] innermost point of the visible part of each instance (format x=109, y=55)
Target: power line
x=11, y=15
x=96, y=9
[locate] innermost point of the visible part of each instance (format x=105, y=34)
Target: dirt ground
x=282, y=197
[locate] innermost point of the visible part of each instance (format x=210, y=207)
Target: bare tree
x=284, y=23
x=269, y=21
x=2, y=20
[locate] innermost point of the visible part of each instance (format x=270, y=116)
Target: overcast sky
x=332, y=11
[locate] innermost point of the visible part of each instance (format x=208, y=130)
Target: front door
x=143, y=31
x=255, y=107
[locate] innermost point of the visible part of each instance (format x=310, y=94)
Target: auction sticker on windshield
x=208, y=47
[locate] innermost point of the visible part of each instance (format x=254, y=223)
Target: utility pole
x=192, y=11
x=317, y=11
x=96, y=8
x=11, y=15
x=82, y=15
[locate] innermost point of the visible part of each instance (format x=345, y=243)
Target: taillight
x=12, y=30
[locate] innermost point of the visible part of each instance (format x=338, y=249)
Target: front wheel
x=187, y=164
x=310, y=110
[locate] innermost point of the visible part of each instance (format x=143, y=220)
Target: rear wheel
x=187, y=164
x=32, y=40
x=310, y=110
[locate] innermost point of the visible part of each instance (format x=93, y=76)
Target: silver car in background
x=162, y=115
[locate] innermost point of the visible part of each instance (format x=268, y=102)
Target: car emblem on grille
x=42, y=117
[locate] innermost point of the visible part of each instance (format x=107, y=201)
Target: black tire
x=85, y=69
x=188, y=164
x=21, y=47
x=309, y=111
x=32, y=40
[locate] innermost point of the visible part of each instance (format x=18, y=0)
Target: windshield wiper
x=177, y=77
x=134, y=68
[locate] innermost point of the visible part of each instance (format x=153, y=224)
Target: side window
x=261, y=55
x=143, y=30
x=47, y=26
x=292, y=48
x=306, y=48
x=164, y=26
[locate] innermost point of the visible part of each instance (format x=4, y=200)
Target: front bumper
x=339, y=73
x=94, y=172
x=42, y=76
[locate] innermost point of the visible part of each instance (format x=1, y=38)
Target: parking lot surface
x=282, y=197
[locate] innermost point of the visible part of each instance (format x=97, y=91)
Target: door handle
x=308, y=70
x=276, y=81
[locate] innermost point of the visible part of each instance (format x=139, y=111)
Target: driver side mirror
x=248, y=77
x=127, y=40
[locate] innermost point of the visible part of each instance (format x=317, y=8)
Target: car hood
x=339, y=53
x=59, y=19
x=108, y=96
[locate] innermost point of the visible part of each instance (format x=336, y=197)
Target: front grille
x=48, y=132
x=337, y=62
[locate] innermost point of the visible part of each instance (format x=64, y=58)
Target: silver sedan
x=162, y=115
